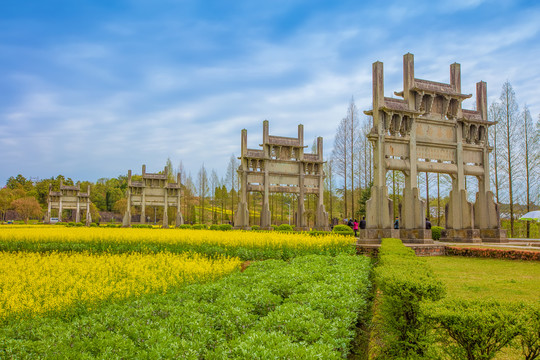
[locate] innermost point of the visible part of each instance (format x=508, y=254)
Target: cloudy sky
x=90, y=89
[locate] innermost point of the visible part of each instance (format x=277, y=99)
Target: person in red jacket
x=355, y=227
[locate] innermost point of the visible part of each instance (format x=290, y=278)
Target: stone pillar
x=60, y=207
x=459, y=211
x=300, y=215
x=143, y=203
x=165, y=207
x=486, y=211
x=266, y=217
x=78, y=213
x=322, y=215
x=241, y=218
x=412, y=222
x=126, y=222
x=179, y=218
x=49, y=206
x=88, y=214
x=379, y=208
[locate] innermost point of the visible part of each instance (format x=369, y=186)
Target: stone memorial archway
x=426, y=130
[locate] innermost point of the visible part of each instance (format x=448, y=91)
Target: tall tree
x=495, y=115
x=214, y=185
x=232, y=179
x=510, y=133
x=170, y=170
x=329, y=185
x=531, y=160
x=202, y=184
x=352, y=122
x=340, y=158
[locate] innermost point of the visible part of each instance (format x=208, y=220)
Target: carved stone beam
x=387, y=120
x=445, y=104
x=466, y=132
x=473, y=134
x=418, y=100
x=400, y=125
x=429, y=103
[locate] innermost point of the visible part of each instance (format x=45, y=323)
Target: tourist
x=363, y=223
x=350, y=223
x=396, y=223
x=355, y=227
x=428, y=224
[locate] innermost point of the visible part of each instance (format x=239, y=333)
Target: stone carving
x=71, y=198
x=153, y=190
x=281, y=166
x=428, y=131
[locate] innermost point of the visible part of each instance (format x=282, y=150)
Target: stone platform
x=435, y=249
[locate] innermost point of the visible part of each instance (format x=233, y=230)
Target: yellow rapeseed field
x=35, y=283
x=247, y=239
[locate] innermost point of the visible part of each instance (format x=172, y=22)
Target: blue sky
x=90, y=89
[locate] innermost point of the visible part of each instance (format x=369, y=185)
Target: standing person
x=363, y=223
x=396, y=223
x=355, y=228
x=428, y=224
x=350, y=223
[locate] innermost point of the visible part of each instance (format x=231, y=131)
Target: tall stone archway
x=426, y=130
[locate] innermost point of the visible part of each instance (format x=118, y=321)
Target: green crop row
x=306, y=309
x=417, y=324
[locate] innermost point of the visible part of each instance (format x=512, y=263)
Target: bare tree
x=214, y=184
x=352, y=124
x=510, y=134
x=340, y=158
x=232, y=179
x=531, y=160
x=170, y=170
x=495, y=115
x=330, y=185
x=202, y=184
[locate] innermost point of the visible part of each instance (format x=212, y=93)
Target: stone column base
x=374, y=236
x=461, y=236
x=493, y=235
x=416, y=236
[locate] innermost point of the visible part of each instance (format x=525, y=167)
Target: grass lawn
x=506, y=280
x=503, y=280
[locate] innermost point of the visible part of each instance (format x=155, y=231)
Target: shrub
x=199, y=227
x=93, y=224
x=70, y=224
x=479, y=328
x=142, y=226
x=79, y=224
x=255, y=227
x=530, y=332
x=436, y=232
x=225, y=227
x=274, y=227
x=284, y=227
x=185, y=226
x=494, y=253
x=405, y=282
x=343, y=230
x=318, y=233
x=213, y=227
